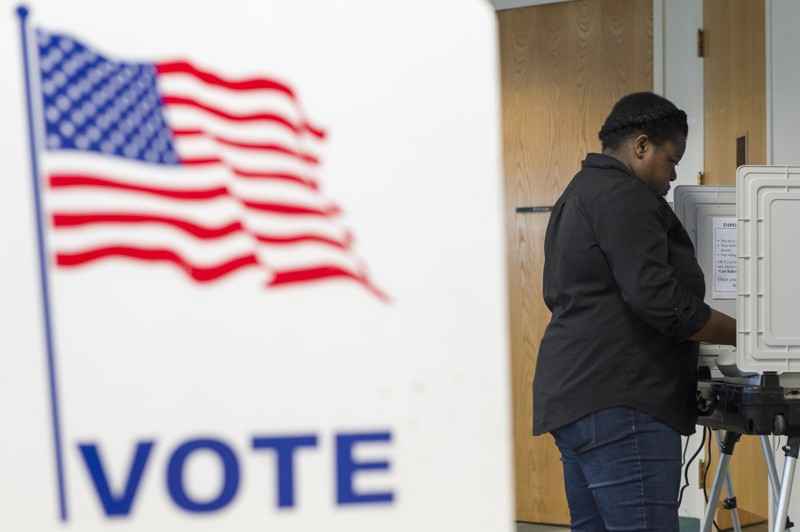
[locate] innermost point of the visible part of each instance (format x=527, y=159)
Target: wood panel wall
x=562, y=67
x=734, y=71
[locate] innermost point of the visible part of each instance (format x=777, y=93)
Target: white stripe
x=138, y=173
x=212, y=213
x=278, y=191
x=305, y=256
x=209, y=213
x=182, y=178
x=277, y=151
x=282, y=226
x=188, y=118
x=199, y=147
x=235, y=102
x=199, y=252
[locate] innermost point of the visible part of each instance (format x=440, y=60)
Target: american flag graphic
x=168, y=163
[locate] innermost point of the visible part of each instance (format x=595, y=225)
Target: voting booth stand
x=745, y=245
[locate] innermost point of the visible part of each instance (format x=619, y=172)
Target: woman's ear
x=640, y=146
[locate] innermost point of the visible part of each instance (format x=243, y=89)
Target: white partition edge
x=658, y=47
x=769, y=80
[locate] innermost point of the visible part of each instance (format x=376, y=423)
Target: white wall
x=783, y=111
x=783, y=81
x=678, y=76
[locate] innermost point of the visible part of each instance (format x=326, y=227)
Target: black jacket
x=625, y=291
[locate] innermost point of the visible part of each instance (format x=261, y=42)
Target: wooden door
x=734, y=75
x=562, y=67
x=735, y=106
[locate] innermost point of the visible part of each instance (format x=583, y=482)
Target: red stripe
x=312, y=274
x=320, y=273
x=81, y=180
x=250, y=84
x=268, y=147
x=199, y=231
x=298, y=210
x=185, y=101
x=78, y=180
x=62, y=220
x=201, y=274
x=303, y=238
x=187, y=132
x=212, y=159
x=281, y=176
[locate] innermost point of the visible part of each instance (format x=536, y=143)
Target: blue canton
x=97, y=105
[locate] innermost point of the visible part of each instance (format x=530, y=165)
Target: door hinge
x=701, y=43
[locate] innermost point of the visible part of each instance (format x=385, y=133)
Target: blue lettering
x=175, y=481
x=346, y=468
x=285, y=447
x=119, y=500
x=115, y=505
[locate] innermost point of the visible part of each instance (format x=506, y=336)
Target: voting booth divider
x=253, y=267
x=709, y=216
x=744, y=238
x=746, y=244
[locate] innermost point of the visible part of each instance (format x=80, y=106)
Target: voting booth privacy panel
x=252, y=267
x=709, y=216
x=750, y=259
x=768, y=207
x=746, y=241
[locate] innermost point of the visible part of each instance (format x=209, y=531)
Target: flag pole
x=22, y=13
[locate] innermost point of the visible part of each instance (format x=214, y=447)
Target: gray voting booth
x=747, y=239
x=709, y=216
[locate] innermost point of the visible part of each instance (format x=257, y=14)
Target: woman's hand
x=719, y=329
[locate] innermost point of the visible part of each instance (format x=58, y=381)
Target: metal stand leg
x=730, y=502
x=774, y=479
x=772, y=471
x=726, y=447
x=791, y=451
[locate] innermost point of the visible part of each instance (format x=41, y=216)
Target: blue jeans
x=622, y=471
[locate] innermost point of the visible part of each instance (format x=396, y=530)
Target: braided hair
x=643, y=112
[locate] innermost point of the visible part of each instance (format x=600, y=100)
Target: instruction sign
x=724, y=273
